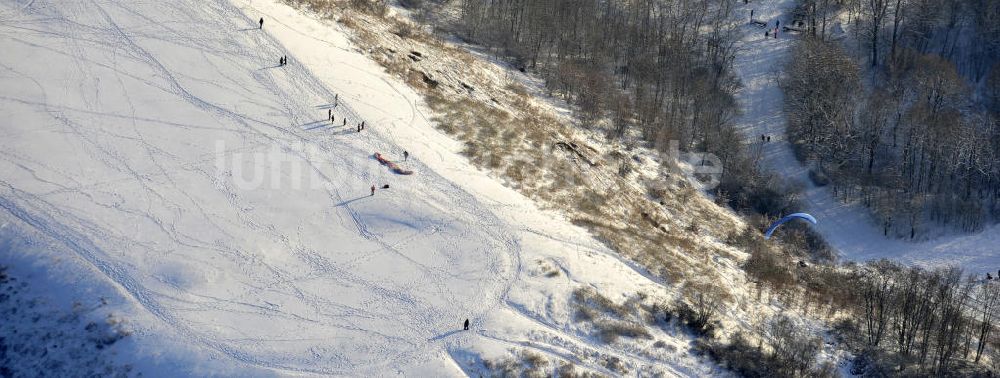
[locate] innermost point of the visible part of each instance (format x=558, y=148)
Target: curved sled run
x=393, y=166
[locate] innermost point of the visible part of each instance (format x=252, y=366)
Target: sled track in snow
x=79, y=234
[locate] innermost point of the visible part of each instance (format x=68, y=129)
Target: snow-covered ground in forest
x=165, y=162
x=848, y=227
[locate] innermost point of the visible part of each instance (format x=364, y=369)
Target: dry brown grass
x=504, y=131
x=611, y=320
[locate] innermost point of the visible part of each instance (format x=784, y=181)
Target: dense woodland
x=643, y=71
x=901, y=111
x=931, y=320
x=897, y=320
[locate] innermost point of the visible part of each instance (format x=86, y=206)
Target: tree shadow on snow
x=314, y=125
x=443, y=335
x=348, y=202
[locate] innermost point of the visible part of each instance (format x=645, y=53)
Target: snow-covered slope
x=847, y=227
x=160, y=146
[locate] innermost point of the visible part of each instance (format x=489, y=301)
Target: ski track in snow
x=112, y=109
x=847, y=227
x=467, y=257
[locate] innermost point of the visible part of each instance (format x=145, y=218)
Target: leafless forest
x=902, y=113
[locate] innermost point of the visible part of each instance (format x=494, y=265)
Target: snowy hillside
x=161, y=150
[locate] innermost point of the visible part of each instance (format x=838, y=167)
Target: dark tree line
x=659, y=70
x=898, y=320
x=905, y=116
x=966, y=32
x=924, y=321
x=646, y=64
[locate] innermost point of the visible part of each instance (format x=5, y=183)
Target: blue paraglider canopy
x=804, y=216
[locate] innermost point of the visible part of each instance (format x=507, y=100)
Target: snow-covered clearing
x=848, y=227
x=116, y=116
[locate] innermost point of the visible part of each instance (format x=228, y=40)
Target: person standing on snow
x=466, y=324
x=373, y=190
x=261, y=23
x=406, y=155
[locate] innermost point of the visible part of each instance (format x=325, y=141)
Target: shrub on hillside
x=375, y=7
x=752, y=361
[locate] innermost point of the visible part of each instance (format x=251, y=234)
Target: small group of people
x=990, y=278
x=769, y=32
x=774, y=32
x=284, y=59
x=406, y=156
x=765, y=138
x=329, y=112
x=386, y=186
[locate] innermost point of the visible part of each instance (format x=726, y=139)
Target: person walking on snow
x=373, y=190
x=466, y=324
x=406, y=155
x=261, y=23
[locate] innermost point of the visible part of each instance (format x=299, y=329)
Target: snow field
x=111, y=152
